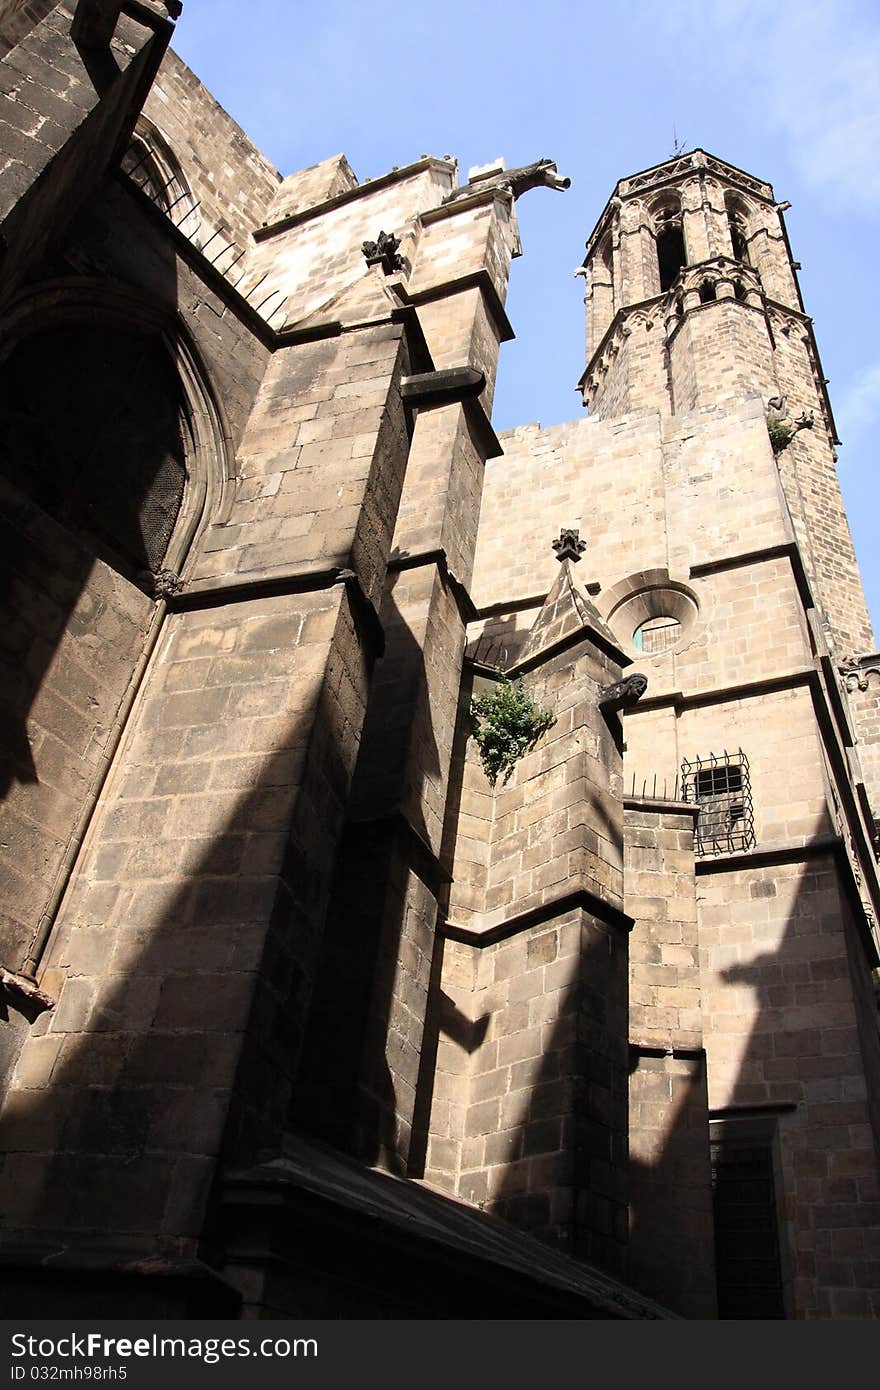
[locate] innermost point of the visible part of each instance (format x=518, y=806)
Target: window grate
x=657, y=635
x=719, y=785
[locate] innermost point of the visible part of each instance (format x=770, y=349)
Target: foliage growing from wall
x=506, y=724
x=781, y=433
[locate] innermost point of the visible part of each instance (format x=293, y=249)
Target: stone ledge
x=661, y=805
x=486, y=928
x=350, y=195
x=313, y=1186
x=788, y=852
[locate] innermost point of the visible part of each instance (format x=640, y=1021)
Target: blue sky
x=789, y=91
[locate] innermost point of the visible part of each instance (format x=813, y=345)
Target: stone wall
x=540, y=1057
x=18, y=17
x=248, y=723
x=72, y=638
x=60, y=131
x=785, y=1036
x=670, y=1198
x=229, y=177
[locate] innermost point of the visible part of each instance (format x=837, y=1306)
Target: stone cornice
x=666, y=806
x=672, y=171
x=476, y=279
x=239, y=588
x=784, y=852
x=486, y=928
x=350, y=195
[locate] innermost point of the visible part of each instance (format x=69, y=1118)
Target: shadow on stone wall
x=364, y=1032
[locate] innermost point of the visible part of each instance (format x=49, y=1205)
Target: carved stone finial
x=569, y=546
x=856, y=670
x=384, y=252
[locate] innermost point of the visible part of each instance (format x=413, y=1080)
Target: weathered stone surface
x=251, y=850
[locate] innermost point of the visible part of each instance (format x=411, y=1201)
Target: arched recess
x=78, y=617
x=151, y=163
x=99, y=307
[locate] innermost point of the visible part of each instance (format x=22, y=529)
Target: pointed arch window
x=150, y=163
x=671, y=257
x=669, y=237
x=93, y=429
x=738, y=226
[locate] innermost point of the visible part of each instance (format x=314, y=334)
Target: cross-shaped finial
x=569, y=546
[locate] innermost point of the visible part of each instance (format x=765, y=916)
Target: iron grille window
x=719, y=785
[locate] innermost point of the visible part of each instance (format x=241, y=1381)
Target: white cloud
x=810, y=70
x=857, y=406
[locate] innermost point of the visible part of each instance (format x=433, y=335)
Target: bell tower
x=693, y=304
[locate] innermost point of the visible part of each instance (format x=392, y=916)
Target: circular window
x=656, y=634
x=652, y=615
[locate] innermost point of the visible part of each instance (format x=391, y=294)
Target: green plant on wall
x=506, y=723
x=781, y=433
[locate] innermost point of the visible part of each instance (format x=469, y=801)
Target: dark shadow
x=499, y=643
x=94, y=466
x=671, y=254
x=469, y=1033
x=786, y=1170
x=382, y=908
x=92, y=470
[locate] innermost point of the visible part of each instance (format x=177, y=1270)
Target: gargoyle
x=623, y=694
x=23, y=994
x=541, y=174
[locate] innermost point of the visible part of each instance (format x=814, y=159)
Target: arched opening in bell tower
x=669, y=237
x=737, y=223
x=606, y=256
x=670, y=255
